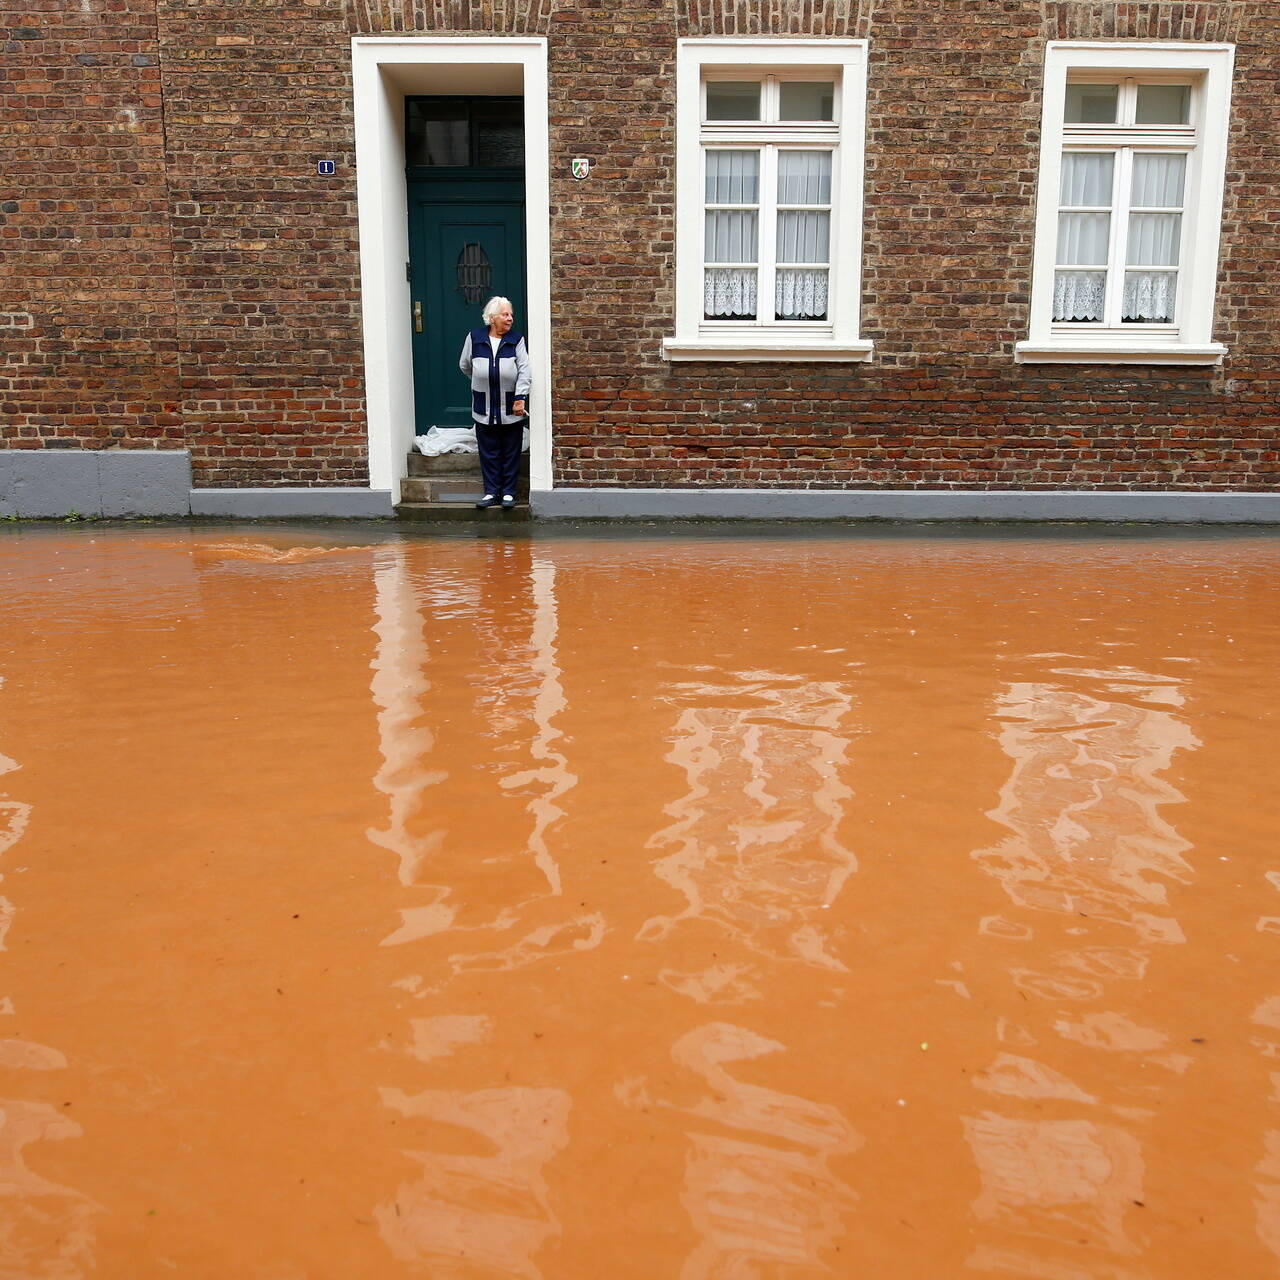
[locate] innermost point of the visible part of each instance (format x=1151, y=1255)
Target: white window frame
x=770, y=61
x=1189, y=338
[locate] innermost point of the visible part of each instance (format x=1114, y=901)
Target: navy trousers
x=500, y=456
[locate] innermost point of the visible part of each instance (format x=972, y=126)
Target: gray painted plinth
x=94, y=482
x=1176, y=507
x=265, y=504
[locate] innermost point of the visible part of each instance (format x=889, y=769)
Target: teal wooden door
x=466, y=244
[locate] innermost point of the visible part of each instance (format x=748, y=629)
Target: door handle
x=417, y=317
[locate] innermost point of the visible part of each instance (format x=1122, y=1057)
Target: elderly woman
x=497, y=362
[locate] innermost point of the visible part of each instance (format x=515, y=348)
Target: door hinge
x=408, y=272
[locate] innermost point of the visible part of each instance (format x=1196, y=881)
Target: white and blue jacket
x=498, y=379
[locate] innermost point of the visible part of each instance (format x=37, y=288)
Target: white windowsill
x=1077, y=352
x=738, y=349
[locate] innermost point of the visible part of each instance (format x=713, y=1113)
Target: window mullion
x=1123, y=182
x=768, y=233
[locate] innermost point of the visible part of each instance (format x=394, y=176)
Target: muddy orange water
x=589, y=908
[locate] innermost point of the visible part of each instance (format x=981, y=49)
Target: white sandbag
x=440, y=440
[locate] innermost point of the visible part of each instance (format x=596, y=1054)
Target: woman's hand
x=517, y=406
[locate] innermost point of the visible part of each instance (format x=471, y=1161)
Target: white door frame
x=384, y=69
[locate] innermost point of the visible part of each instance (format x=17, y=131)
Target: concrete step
x=456, y=488
x=459, y=511
x=449, y=464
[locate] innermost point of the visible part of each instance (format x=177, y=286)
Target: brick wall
x=86, y=291
x=203, y=286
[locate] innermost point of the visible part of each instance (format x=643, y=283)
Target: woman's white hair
x=492, y=307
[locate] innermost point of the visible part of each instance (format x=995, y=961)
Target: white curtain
x=800, y=295
x=1153, y=239
x=804, y=177
x=1149, y=296
x=733, y=177
x=1079, y=295
x=730, y=236
x=1083, y=239
x=1087, y=179
x=804, y=236
x=729, y=293
x=1158, y=181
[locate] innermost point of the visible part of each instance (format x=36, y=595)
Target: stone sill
x=1131, y=353
x=766, y=352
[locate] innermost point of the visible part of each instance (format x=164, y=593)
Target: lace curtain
x=1079, y=295
x=729, y=293
x=1149, y=296
x=800, y=295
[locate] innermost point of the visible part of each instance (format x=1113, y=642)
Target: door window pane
x=1091, y=103
x=807, y=100
x=733, y=100
x=1163, y=104
x=438, y=132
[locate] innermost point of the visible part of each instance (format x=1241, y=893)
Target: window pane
x=733, y=100
x=804, y=236
x=1157, y=181
x=807, y=100
x=1086, y=179
x=1153, y=239
x=804, y=177
x=733, y=177
x=1149, y=297
x=1091, y=103
x=1079, y=295
x=499, y=143
x=729, y=294
x=800, y=295
x=730, y=236
x=1083, y=239
x=1163, y=104
x=437, y=132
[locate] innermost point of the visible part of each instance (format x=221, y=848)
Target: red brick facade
x=176, y=273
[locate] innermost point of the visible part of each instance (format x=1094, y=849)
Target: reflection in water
x=1089, y=854
x=764, y=1197
x=45, y=1229
x=755, y=840
x=1267, y=1182
x=481, y=1201
x=414, y=760
x=481, y=1204
x=1083, y=803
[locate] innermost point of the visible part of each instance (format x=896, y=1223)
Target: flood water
x=603, y=908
